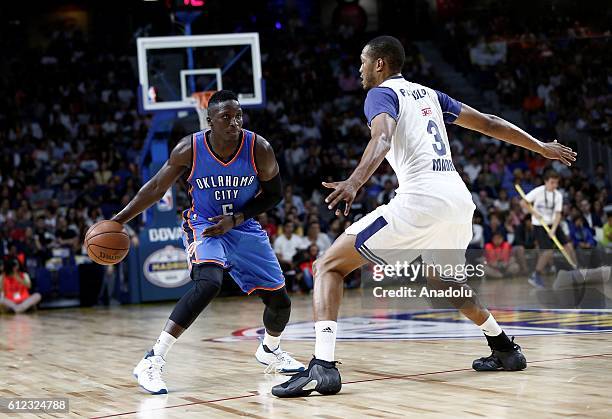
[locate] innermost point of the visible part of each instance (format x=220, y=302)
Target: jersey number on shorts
x=228, y=209
x=438, y=145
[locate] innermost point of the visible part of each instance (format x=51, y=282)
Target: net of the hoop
x=200, y=102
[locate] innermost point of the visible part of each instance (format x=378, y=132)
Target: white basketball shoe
x=278, y=360
x=148, y=372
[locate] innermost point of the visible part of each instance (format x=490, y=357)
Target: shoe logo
x=327, y=330
x=311, y=385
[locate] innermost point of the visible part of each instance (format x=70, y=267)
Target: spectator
x=316, y=236
x=16, y=289
x=286, y=247
x=348, y=81
x=502, y=203
x=591, y=218
x=601, y=181
x=268, y=226
x=103, y=174
x=607, y=232
x=293, y=217
x=307, y=274
x=335, y=229
x=581, y=234
x=498, y=255
x=386, y=194
x=524, y=239
x=292, y=199
x=473, y=168
x=67, y=196
x=495, y=226
x=67, y=238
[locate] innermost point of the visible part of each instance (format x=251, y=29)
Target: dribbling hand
x=224, y=223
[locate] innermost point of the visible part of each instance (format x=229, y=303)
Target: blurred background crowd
x=70, y=132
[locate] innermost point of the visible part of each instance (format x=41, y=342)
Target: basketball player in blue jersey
x=432, y=208
x=233, y=176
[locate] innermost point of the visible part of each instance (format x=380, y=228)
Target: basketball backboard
x=172, y=68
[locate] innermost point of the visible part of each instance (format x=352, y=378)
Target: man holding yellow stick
x=545, y=204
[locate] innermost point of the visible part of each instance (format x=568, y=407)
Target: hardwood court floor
x=87, y=355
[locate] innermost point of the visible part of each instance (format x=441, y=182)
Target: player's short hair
x=389, y=49
x=551, y=174
x=222, y=96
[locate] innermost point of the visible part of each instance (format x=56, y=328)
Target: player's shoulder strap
x=250, y=138
x=197, y=141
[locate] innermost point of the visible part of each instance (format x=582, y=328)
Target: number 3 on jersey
x=438, y=145
x=228, y=209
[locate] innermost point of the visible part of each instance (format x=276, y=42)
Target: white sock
x=490, y=327
x=163, y=344
x=325, y=344
x=272, y=342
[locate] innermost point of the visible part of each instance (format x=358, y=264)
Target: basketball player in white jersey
x=432, y=209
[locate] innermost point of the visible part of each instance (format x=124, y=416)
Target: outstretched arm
x=383, y=128
x=156, y=187
x=269, y=197
x=501, y=129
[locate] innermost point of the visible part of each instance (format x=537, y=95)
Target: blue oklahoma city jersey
x=218, y=187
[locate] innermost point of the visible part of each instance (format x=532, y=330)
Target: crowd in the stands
x=69, y=141
x=555, y=68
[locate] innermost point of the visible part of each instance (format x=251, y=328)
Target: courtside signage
x=167, y=267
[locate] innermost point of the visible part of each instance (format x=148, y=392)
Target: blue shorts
x=244, y=251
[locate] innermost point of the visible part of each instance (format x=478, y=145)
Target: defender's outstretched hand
x=557, y=151
x=224, y=223
x=343, y=191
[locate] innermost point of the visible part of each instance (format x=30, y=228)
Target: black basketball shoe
x=511, y=359
x=320, y=376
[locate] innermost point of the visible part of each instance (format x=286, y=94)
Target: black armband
x=271, y=194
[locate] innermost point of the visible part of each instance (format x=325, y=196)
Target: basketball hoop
x=201, y=105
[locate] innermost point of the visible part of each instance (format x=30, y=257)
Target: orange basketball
x=107, y=242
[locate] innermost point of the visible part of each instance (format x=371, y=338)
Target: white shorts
x=392, y=233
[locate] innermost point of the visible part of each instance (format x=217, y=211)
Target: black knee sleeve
x=207, y=281
x=278, y=309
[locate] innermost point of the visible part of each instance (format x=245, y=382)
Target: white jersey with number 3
x=420, y=154
x=433, y=208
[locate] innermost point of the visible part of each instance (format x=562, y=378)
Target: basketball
x=107, y=242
